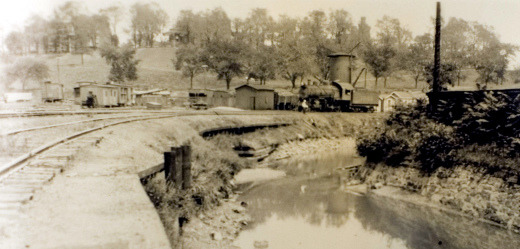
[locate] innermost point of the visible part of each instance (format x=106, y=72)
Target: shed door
x=252, y=103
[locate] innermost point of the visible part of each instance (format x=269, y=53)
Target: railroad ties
x=19, y=186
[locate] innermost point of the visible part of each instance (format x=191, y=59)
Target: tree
x=456, y=45
x=123, y=64
x=114, y=15
x=259, y=25
x=418, y=56
x=341, y=29
x=294, y=60
x=25, y=69
x=189, y=26
x=15, y=42
x=225, y=57
x=378, y=58
x=515, y=75
x=390, y=33
x=189, y=60
x=216, y=26
x=262, y=64
x=447, y=76
x=393, y=41
x=490, y=56
x=35, y=30
x=148, y=20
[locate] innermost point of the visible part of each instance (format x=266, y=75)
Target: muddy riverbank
x=209, y=215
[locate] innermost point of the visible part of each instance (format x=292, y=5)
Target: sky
x=415, y=15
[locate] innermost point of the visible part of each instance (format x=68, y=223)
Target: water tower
x=341, y=67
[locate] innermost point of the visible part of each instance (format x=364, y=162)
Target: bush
x=410, y=138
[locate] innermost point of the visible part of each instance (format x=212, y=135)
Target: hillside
x=156, y=70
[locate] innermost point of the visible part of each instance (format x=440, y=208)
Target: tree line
x=71, y=29
x=263, y=47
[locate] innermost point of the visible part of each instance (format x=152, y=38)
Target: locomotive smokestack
x=341, y=67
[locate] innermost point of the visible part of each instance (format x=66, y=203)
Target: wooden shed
x=254, y=97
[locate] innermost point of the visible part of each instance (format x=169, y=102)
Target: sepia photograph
x=259, y=124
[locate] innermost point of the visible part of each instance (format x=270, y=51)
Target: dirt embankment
x=215, y=221
x=463, y=190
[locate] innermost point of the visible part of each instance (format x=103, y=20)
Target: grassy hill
x=156, y=70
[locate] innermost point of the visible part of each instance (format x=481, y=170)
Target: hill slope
x=156, y=70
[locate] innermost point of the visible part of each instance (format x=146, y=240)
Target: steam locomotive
x=339, y=94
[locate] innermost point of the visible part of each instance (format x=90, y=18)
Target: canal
x=307, y=211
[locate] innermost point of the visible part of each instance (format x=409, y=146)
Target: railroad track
x=25, y=174
x=22, y=176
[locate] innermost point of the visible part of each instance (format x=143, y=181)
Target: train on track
x=340, y=93
x=52, y=92
x=93, y=94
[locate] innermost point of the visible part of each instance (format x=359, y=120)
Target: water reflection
x=313, y=213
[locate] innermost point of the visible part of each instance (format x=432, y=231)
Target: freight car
x=52, y=92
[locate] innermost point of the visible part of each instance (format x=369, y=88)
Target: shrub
x=410, y=138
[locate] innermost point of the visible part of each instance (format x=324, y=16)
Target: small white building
x=387, y=102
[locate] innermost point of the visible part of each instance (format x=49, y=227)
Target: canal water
x=310, y=212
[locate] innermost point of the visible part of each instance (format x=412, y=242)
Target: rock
x=261, y=244
x=216, y=236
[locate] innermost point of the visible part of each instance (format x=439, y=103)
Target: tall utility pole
x=437, y=58
x=434, y=96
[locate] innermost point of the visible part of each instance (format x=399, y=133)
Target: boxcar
x=52, y=92
x=105, y=95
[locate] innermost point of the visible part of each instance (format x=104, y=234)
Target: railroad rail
x=23, y=175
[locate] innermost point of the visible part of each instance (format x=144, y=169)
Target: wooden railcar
x=52, y=92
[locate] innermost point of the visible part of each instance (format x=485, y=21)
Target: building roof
x=402, y=95
x=284, y=92
x=256, y=87
x=343, y=85
x=340, y=54
x=409, y=95
x=148, y=91
x=384, y=95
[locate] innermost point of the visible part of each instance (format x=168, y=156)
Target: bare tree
x=25, y=69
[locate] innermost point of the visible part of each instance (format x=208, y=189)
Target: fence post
x=186, y=166
x=178, y=167
x=168, y=166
